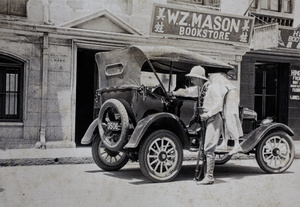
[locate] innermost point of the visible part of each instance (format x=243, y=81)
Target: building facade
x=49, y=76
x=269, y=81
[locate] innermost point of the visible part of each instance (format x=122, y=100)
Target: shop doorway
x=271, y=91
x=87, y=79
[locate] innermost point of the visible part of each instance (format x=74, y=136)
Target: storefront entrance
x=271, y=91
x=266, y=86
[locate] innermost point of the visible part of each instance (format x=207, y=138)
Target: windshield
x=149, y=80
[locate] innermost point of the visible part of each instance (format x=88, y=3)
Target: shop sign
x=170, y=21
x=266, y=37
x=289, y=38
x=295, y=85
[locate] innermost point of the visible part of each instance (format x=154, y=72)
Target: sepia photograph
x=150, y=103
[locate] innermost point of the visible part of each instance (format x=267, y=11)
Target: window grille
x=263, y=19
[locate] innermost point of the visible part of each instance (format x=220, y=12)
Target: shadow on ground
x=187, y=173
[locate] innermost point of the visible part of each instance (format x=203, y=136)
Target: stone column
x=44, y=84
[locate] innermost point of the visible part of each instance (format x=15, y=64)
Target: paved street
x=238, y=183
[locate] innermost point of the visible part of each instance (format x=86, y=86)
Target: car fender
x=87, y=137
x=254, y=137
x=143, y=125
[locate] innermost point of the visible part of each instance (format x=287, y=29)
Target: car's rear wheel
x=161, y=156
x=106, y=159
x=275, y=152
x=113, y=124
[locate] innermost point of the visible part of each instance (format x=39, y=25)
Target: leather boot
x=209, y=178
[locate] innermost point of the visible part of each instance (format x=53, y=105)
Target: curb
x=46, y=161
x=88, y=160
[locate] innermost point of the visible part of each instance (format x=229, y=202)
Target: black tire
x=161, y=156
x=129, y=112
x=222, y=159
x=113, y=124
x=106, y=159
x=275, y=152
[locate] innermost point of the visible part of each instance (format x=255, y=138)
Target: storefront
x=270, y=77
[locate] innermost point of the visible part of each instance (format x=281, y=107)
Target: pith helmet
x=197, y=72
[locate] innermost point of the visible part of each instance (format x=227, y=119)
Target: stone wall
x=59, y=106
x=25, y=48
x=28, y=49
x=137, y=13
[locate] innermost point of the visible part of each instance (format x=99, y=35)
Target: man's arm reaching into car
x=191, y=92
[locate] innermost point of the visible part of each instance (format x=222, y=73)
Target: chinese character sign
x=289, y=38
x=176, y=22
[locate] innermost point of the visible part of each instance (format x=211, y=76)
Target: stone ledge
x=56, y=144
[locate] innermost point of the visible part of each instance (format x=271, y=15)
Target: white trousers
x=233, y=127
x=214, y=127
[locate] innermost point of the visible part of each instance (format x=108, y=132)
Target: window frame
x=14, y=8
x=204, y=3
x=8, y=64
x=270, y=16
x=257, y=6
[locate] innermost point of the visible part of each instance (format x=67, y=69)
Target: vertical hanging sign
x=295, y=85
x=176, y=22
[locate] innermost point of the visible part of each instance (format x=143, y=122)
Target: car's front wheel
x=161, y=156
x=106, y=159
x=275, y=152
x=222, y=158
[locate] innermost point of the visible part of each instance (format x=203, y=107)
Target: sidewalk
x=80, y=155
x=21, y=157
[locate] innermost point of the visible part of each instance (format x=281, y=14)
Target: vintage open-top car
x=139, y=118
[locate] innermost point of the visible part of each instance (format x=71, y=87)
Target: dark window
x=272, y=91
x=253, y=3
x=212, y=3
x=287, y=6
x=272, y=11
x=266, y=90
x=11, y=90
x=283, y=6
x=13, y=7
x=272, y=5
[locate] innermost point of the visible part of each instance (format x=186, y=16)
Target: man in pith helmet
x=211, y=100
x=198, y=78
